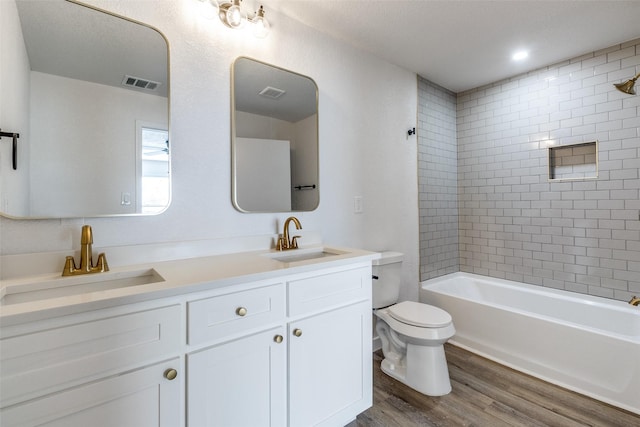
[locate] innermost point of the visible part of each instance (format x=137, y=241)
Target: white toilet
x=412, y=334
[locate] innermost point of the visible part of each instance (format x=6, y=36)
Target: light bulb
x=234, y=16
x=230, y=14
x=260, y=24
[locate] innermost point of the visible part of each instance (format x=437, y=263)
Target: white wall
x=365, y=108
x=14, y=111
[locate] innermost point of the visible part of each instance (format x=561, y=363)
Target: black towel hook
x=14, y=148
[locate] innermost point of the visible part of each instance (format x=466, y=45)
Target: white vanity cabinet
x=107, y=368
x=308, y=366
x=287, y=347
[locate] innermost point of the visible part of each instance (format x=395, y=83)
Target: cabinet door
x=142, y=398
x=239, y=383
x=330, y=367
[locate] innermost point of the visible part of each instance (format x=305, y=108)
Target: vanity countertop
x=177, y=277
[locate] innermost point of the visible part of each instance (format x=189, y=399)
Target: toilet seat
x=420, y=315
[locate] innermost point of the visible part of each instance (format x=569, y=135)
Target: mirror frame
x=234, y=154
x=168, y=101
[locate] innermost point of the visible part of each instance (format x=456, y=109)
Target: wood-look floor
x=485, y=394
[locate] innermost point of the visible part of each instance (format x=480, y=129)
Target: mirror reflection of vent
x=139, y=83
x=272, y=92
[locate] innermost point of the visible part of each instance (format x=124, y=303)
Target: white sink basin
x=76, y=285
x=296, y=255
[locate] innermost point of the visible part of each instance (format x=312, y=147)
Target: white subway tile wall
x=437, y=181
x=514, y=223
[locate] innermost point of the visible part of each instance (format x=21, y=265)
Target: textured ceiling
x=457, y=44
x=465, y=44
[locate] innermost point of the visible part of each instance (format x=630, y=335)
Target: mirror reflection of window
x=154, y=167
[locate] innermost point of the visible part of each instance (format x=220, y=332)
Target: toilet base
x=424, y=369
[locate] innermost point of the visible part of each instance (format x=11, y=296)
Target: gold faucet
x=284, y=242
x=86, y=257
x=634, y=301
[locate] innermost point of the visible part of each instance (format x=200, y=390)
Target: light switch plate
x=357, y=204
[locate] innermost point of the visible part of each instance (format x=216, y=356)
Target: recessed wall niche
x=575, y=161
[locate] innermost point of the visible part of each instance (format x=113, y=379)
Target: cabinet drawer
x=215, y=318
x=323, y=291
x=141, y=398
x=45, y=361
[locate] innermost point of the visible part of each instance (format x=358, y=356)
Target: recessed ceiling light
x=520, y=55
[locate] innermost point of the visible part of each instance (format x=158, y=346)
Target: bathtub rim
x=534, y=288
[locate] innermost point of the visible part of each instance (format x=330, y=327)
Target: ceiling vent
x=272, y=92
x=139, y=83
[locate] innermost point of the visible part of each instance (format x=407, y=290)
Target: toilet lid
x=418, y=314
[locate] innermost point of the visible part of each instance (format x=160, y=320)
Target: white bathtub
x=587, y=344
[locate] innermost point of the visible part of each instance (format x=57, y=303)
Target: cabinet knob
x=170, y=374
x=278, y=338
x=241, y=311
x=297, y=332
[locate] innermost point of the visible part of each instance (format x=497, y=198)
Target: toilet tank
x=387, y=274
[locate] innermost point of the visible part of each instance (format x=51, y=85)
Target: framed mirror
x=274, y=138
x=87, y=92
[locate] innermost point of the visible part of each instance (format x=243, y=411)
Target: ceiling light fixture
x=627, y=87
x=520, y=55
x=231, y=15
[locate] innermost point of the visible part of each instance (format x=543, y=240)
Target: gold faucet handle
x=294, y=242
x=102, y=265
x=69, y=266
x=281, y=244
